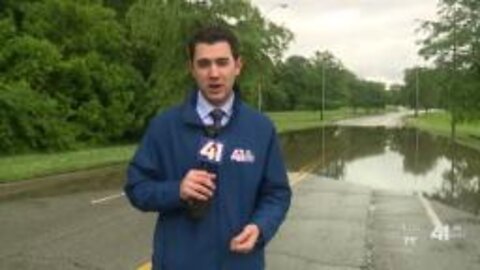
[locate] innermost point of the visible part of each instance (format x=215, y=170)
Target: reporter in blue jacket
x=248, y=192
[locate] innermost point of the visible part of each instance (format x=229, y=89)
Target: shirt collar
x=204, y=107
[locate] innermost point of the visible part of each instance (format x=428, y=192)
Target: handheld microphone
x=210, y=158
x=197, y=209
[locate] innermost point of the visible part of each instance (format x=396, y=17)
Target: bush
x=30, y=120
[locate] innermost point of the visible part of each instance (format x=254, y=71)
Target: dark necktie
x=217, y=115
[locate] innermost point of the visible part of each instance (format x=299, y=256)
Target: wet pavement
x=326, y=228
x=380, y=198
x=97, y=179
x=60, y=223
x=369, y=198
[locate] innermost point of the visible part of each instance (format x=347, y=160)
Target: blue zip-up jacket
x=252, y=190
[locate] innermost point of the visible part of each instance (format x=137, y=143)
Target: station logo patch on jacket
x=242, y=155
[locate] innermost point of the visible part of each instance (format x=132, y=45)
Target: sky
x=376, y=39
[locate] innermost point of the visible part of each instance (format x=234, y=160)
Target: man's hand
x=197, y=185
x=245, y=241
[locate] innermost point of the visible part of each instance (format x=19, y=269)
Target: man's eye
x=222, y=62
x=203, y=63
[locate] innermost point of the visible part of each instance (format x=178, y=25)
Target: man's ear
x=238, y=65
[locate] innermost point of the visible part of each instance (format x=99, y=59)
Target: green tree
x=424, y=86
x=394, y=95
x=453, y=41
x=74, y=57
x=370, y=94
x=31, y=120
x=293, y=81
x=328, y=68
x=159, y=30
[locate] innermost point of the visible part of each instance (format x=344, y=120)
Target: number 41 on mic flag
x=211, y=150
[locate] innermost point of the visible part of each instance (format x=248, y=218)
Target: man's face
x=215, y=70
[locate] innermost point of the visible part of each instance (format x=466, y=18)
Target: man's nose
x=213, y=72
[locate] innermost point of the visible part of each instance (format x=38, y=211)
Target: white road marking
x=108, y=198
x=436, y=222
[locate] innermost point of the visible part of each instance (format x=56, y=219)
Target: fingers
x=197, y=184
x=197, y=191
x=242, y=237
x=206, y=179
x=245, y=241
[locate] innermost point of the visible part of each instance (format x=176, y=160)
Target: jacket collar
x=189, y=112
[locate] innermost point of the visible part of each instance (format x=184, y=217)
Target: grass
x=33, y=165
x=290, y=121
x=14, y=168
x=468, y=134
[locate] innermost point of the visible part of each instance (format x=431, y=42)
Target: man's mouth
x=214, y=86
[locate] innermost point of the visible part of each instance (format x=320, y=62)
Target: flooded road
x=359, y=208
x=402, y=160
x=379, y=198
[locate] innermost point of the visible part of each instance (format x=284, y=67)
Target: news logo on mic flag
x=242, y=155
x=211, y=150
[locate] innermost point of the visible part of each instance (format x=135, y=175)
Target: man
x=220, y=195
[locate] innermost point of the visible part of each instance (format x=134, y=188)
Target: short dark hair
x=211, y=35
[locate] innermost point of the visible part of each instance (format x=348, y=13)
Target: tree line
x=83, y=73
x=452, y=43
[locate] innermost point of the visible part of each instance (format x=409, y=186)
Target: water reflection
x=405, y=160
x=397, y=159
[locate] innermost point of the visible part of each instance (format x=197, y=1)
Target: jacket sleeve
x=146, y=186
x=274, y=195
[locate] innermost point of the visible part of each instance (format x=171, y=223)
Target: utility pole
x=416, y=91
x=454, y=78
x=323, y=91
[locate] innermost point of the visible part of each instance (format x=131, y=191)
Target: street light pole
x=323, y=91
x=453, y=86
x=259, y=88
x=416, y=91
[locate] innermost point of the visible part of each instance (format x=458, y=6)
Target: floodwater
x=403, y=160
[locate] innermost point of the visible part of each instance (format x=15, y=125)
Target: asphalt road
x=60, y=225
x=82, y=221
x=332, y=225
x=326, y=228
x=336, y=225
